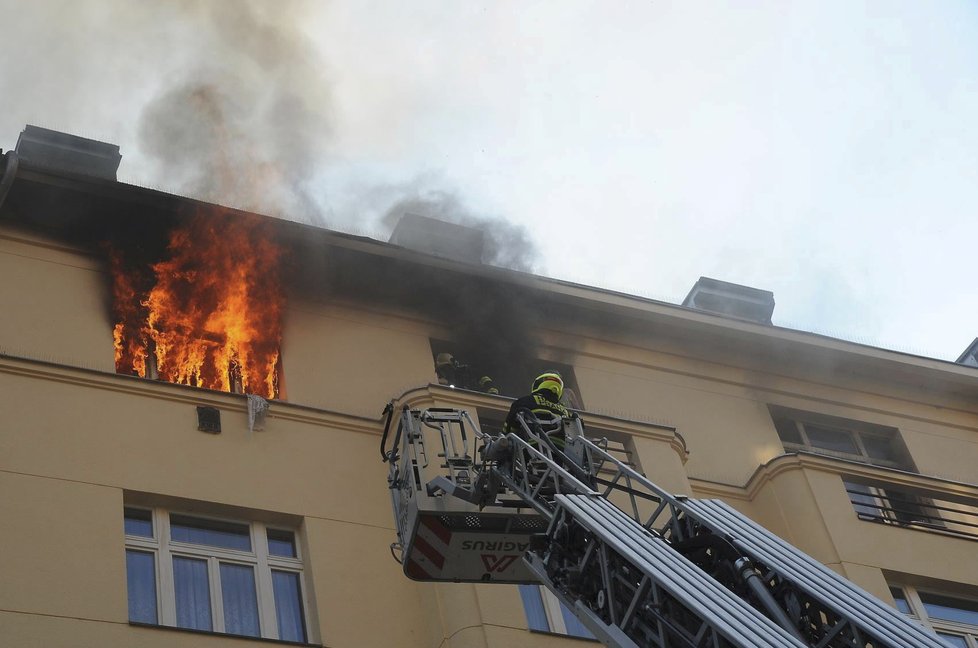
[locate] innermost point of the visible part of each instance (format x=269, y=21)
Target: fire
x=210, y=314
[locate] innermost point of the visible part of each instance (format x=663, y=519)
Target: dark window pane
x=900, y=599
x=139, y=523
x=192, y=591
x=830, y=439
x=288, y=606
x=228, y=535
x=879, y=447
x=950, y=609
x=141, y=582
x=863, y=500
x=536, y=614
x=281, y=543
x=240, y=600
x=574, y=626
x=906, y=507
x=788, y=431
x=953, y=640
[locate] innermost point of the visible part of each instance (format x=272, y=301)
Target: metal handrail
x=917, y=516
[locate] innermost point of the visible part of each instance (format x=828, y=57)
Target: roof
x=85, y=209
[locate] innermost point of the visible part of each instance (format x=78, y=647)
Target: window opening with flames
x=208, y=314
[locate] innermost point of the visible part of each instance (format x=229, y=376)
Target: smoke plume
x=249, y=124
x=232, y=103
x=506, y=245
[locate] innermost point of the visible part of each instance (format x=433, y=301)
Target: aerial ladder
x=637, y=565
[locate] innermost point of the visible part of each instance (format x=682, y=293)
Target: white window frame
x=856, y=435
x=918, y=611
x=164, y=549
x=858, y=432
x=551, y=605
x=552, y=609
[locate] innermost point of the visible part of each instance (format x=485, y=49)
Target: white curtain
x=240, y=600
x=288, y=606
x=141, y=581
x=192, y=593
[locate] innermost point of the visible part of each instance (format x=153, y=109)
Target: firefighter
x=446, y=367
x=542, y=402
x=452, y=373
x=487, y=385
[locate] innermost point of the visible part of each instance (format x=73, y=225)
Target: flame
x=212, y=314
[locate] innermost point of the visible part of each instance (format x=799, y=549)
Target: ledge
x=422, y=396
x=222, y=635
x=439, y=395
x=807, y=460
x=183, y=394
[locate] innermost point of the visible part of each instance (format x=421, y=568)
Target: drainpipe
x=9, y=173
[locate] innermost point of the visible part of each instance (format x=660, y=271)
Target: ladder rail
x=875, y=617
x=635, y=563
x=666, y=578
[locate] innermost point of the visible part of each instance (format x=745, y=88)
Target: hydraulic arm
x=637, y=565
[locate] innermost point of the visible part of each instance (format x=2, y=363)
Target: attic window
x=207, y=310
x=510, y=376
x=869, y=443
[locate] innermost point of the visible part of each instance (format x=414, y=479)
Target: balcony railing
x=917, y=509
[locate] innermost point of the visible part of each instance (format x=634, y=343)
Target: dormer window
x=869, y=443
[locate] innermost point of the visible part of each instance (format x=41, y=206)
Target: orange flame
x=212, y=317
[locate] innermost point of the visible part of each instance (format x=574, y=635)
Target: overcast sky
x=827, y=151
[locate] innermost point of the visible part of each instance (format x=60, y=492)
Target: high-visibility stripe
x=432, y=554
x=435, y=525
x=414, y=570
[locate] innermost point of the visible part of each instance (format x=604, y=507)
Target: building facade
x=141, y=512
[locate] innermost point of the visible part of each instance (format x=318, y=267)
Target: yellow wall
x=55, y=303
x=76, y=443
x=351, y=360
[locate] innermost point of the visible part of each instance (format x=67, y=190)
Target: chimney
x=432, y=236
x=970, y=356
x=58, y=151
x=731, y=300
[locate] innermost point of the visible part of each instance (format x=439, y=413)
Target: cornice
x=81, y=258
x=183, y=394
x=797, y=461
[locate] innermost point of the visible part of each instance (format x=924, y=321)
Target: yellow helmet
x=550, y=380
x=444, y=360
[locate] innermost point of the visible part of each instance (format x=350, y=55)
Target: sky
x=826, y=151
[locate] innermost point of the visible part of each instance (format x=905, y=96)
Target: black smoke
x=493, y=324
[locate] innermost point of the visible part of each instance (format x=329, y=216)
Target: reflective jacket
x=542, y=404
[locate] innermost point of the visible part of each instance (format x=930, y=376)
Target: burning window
x=469, y=368
x=209, y=313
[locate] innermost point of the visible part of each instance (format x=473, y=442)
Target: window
x=545, y=613
x=881, y=503
x=240, y=578
x=953, y=618
x=879, y=445
x=927, y=510
x=463, y=367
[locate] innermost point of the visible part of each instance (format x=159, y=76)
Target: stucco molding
x=183, y=394
x=799, y=461
x=84, y=259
